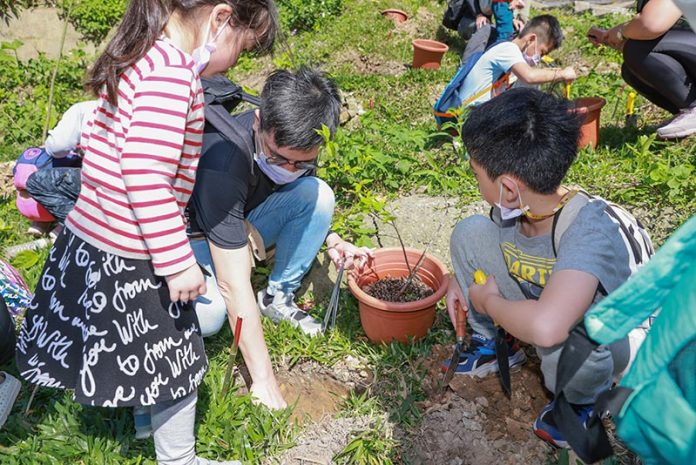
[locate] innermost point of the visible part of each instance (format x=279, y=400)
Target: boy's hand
x=455, y=295
x=481, y=21
x=516, y=4
x=186, y=285
x=597, y=36
x=479, y=294
x=568, y=74
x=518, y=24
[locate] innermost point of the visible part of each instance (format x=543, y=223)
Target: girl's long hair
x=144, y=21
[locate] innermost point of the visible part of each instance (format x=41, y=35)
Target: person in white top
x=65, y=136
x=494, y=70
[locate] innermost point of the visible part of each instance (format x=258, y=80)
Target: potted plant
x=398, y=292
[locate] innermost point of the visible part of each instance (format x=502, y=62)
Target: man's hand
x=481, y=21
x=455, y=296
x=479, y=294
x=268, y=394
x=186, y=285
x=344, y=253
x=597, y=36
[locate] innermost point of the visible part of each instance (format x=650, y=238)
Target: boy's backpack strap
x=565, y=217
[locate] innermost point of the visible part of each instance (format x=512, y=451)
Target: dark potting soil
x=388, y=289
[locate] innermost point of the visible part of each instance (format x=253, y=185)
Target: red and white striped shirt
x=140, y=162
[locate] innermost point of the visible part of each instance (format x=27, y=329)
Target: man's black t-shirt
x=228, y=186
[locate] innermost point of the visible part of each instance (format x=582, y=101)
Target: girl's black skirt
x=104, y=326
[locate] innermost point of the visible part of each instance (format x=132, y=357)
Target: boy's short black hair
x=525, y=133
x=547, y=28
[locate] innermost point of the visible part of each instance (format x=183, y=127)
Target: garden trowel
x=460, y=328
x=631, y=116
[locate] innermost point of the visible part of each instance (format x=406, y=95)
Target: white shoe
x=683, y=125
x=282, y=307
x=9, y=389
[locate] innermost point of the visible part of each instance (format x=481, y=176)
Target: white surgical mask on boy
x=276, y=173
x=535, y=59
x=201, y=55
x=507, y=213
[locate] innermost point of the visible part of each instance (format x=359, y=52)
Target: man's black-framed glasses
x=276, y=159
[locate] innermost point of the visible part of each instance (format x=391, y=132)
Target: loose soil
x=473, y=422
x=389, y=289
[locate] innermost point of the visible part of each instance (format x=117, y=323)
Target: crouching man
x=261, y=193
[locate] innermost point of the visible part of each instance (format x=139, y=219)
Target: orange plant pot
x=591, y=108
x=386, y=321
x=395, y=15
x=428, y=53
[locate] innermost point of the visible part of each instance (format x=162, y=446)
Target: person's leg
x=595, y=376
x=56, y=189
x=296, y=220
x=466, y=27
x=475, y=245
x=667, y=66
x=478, y=42
x=173, y=430
x=210, y=308
x=7, y=334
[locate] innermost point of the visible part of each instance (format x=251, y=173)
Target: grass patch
x=392, y=150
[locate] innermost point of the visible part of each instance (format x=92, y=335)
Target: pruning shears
x=332, y=311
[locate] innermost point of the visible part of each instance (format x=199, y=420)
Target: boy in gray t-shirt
x=521, y=145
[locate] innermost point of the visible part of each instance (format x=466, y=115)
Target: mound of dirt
x=473, y=422
x=321, y=441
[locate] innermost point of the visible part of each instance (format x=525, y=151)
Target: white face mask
x=201, y=55
x=276, y=173
x=509, y=213
x=535, y=59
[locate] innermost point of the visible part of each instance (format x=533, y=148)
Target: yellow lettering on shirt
x=527, y=268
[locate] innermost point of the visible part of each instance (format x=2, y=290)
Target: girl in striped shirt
x=111, y=317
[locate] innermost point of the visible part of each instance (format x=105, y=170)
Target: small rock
x=482, y=401
x=363, y=374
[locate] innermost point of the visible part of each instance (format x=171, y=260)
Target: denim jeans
x=56, y=189
x=296, y=219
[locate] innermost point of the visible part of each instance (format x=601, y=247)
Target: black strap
x=590, y=441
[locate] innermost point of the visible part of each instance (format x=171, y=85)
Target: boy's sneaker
x=545, y=426
x=683, y=125
x=143, y=422
x=282, y=306
x=479, y=360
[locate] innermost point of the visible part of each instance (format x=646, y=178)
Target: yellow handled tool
x=567, y=90
x=480, y=277
x=631, y=117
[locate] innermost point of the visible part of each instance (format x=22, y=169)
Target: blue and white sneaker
x=545, y=426
x=479, y=360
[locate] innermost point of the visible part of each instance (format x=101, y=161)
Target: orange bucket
x=428, y=53
x=591, y=108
